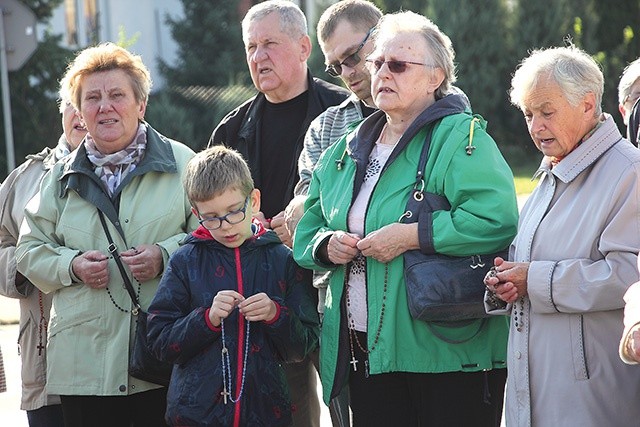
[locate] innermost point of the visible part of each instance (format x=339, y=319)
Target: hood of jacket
x=360, y=143
x=261, y=236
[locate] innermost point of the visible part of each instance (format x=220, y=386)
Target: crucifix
x=40, y=347
x=224, y=394
x=354, y=362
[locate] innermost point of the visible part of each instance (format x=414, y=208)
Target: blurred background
x=195, y=52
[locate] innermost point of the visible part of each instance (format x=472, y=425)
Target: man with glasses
x=268, y=130
x=344, y=33
x=628, y=95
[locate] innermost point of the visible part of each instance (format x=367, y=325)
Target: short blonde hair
x=575, y=72
x=105, y=57
x=213, y=171
x=438, y=43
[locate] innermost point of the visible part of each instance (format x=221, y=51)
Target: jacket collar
x=314, y=107
x=361, y=141
x=78, y=175
x=586, y=154
x=260, y=236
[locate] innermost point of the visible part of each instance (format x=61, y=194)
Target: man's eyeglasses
x=335, y=70
x=396, y=67
x=233, y=217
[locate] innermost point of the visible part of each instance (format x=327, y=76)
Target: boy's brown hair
x=213, y=171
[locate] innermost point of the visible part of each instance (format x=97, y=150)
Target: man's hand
x=278, y=225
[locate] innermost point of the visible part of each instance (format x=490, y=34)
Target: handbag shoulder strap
x=431, y=200
x=113, y=250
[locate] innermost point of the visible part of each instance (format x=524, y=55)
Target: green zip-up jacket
x=483, y=219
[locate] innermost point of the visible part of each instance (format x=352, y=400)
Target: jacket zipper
x=241, y=326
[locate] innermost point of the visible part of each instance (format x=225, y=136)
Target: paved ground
x=10, y=413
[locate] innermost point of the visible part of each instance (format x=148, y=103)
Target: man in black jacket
x=269, y=131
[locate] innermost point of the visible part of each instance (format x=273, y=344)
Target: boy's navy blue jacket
x=180, y=331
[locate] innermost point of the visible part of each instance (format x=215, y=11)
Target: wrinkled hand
x=342, y=247
x=632, y=349
x=278, y=225
x=223, y=304
x=390, y=241
x=144, y=261
x=509, y=282
x=258, y=307
x=92, y=269
x=293, y=212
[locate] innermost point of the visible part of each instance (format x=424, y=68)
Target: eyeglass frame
x=242, y=210
x=372, y=68
x=335, y=70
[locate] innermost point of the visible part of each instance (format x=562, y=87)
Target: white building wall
x=144, y=20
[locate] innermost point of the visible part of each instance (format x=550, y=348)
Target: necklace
x=352, y=335
x=226, y=367
x=42, y=324
x=113, y=301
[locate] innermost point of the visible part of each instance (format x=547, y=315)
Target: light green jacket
x=482, y=219
x=89, y=337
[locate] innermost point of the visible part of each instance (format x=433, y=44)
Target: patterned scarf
x=112, y=168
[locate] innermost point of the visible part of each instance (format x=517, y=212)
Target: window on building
x=91, y=21
x=71, y=22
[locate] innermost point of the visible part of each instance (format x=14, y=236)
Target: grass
x=522, y=178
x=524, y=185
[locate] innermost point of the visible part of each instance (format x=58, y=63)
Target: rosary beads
x=226, y=366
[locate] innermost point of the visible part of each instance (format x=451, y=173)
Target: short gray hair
x=575, y=72
x=438, y=43
x=630, y=75
x=292, y=20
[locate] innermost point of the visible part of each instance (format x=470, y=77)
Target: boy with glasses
x=232, y=306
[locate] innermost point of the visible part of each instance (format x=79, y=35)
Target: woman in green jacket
x=400, y=370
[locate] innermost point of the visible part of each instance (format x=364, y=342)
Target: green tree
x=34, y=91
x=210, y=58
x=211, y=51
x=483, y=63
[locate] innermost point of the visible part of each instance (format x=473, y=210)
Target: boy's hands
x=223, y=304
x=258, y=307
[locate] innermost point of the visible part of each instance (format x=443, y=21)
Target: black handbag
x=442, y=288
x=142, y=363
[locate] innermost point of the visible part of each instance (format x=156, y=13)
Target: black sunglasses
x=396, y=67
x=335, y=70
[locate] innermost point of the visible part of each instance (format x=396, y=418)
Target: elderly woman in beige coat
x=15, y=192
x=574, y=255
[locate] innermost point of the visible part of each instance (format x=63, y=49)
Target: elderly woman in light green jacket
x=130, y=174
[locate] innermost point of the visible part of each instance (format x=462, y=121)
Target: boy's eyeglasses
x=396, y=67
x=233, y=217
x=335, y=70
